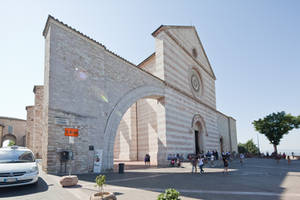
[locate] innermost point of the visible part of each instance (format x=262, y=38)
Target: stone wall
x=38, y=119
x=125, y=147
x=18, y=126
x=233, y=134
x=182, y=103
x=179, y=65
x=1, y=133
x=29, y=126
x=227, y=132
x=91, y=88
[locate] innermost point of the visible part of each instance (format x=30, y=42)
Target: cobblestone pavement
x=257, y=179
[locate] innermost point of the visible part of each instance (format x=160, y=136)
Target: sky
x=253, y=47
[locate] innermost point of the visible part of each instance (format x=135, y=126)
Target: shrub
x=100, y=181
x=170, y=194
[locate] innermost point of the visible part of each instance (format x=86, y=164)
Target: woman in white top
x=212, y=158
x=200, y=164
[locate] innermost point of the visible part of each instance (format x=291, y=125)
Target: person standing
x=242, y=158
x=217, y=155
x=225, y=161
x=200, y=164
x=289, y=160
x=212, y=159
x=194, y=164
x=147, y=159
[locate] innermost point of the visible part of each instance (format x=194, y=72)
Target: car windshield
x=16, y=156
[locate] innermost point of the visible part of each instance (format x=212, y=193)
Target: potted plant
x=101, y=195
x=170, y=194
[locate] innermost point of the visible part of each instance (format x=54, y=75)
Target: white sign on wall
x=61, y=121
x=98, y=160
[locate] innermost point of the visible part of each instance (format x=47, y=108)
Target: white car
x=17, y=167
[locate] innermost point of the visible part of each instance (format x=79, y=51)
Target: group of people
x=175, y=161
x=201, y=159
x=197, y=160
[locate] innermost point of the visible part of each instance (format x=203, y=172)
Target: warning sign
x=71, y=132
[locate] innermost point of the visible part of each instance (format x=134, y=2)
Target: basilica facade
x=102, y=107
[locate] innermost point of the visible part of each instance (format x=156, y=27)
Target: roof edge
x=163, y=27
x=146, y=60
x=11, y=118
x=82, y=35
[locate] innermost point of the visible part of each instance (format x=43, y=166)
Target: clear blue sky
x=253, y=47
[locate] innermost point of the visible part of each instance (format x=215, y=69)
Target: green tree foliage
x=100, y=181
x=275, y=125
x=11, y=143
x=248, y=147
x=242, y=148
x=170, y=194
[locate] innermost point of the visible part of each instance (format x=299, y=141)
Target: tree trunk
x=275, y=148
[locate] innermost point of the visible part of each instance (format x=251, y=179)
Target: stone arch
x=198, y=125
x=117, y=113
x=199, y=119
x=9, y=136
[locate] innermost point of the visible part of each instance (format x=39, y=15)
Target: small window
x=195, y=54
x=10, y=129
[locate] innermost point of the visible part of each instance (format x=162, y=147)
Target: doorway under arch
x=138, y=133
x=152, y=94
x=221, y=144
x=199, y=131
x=8, y=137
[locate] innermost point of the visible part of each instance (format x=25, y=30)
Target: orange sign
x=71, y=132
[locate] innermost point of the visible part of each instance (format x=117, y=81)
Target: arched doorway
x=138, y=133
x=199, y=131
x=221, y=144
x=147, y=92
x=7, y=138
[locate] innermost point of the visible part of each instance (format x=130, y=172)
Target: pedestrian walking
x=194, y=164
x=289, y=160
x=212, y=160
x=200, y=164
x=225, y=161
x=242, y=158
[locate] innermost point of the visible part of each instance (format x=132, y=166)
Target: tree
x=242, y=148
x=248, y=147
x=11, y=143
x=275, y=125
x=100, y=181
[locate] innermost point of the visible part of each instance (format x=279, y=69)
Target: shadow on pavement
x=257, y=179
x=41, y=186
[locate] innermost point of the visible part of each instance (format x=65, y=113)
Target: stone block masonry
x=164, y=106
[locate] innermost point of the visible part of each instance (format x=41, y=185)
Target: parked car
x=17, y=167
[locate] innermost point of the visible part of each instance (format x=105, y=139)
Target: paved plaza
x=257, y=179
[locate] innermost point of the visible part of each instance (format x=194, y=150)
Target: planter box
x=106, y=196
